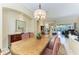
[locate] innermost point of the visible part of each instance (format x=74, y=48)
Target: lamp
x=39, y=13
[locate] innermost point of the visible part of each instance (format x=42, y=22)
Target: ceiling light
x=39, y=13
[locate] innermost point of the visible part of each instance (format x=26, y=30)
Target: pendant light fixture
x=39, y=13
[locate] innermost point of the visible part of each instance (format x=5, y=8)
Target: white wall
x=30, y=25
x=0, y=27
x=10, y=16
x=77, y=23
x=19, y=8
x=66, y=20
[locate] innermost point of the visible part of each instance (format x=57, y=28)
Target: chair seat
x=62, y=50
x=47, y=51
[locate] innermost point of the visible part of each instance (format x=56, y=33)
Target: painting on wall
x=20, y=26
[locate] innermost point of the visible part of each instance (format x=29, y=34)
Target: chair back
x=51, y=44
x=56, y=46
x=31, y=34
x=25, y=36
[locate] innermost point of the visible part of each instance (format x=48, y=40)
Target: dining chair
x=56, y=46
x=51, y=43
x=49, y=49
x=55, y=49
x=31, y=34
x=25, y=36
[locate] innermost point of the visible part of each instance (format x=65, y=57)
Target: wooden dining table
x=30, y=46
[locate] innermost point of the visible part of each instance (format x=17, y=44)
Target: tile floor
x=68, y=49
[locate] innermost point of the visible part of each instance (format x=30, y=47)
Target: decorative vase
x=38, y=36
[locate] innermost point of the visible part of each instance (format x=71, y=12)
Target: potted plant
x=38, y=35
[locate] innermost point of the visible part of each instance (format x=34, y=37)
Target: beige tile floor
x=68, y=49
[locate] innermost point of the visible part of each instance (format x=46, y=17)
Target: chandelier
x=39, y=13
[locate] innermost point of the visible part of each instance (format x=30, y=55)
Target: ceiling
x=55, y=10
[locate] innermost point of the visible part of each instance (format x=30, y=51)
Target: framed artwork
x=20, y=26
